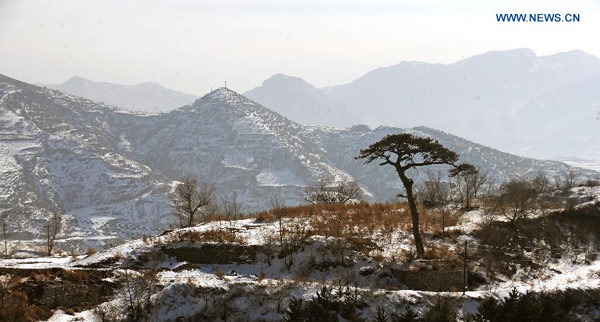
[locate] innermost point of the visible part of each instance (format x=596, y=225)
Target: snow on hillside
x=196, y=273
x=57, y=158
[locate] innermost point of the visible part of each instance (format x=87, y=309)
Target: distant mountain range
x=298, y=100
x=111, y=170
x=146, y=97
x=538, y=106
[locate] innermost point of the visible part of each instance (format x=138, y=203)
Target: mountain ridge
x=106, y=168
x=481, y=98
x=145, y=96
x=311, y=109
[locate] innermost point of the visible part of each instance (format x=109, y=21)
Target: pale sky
x=192, y=46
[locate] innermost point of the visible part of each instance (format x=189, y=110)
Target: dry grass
x=441, y=252
x=219, y=235
x=220, y=274
x=361, y=219
x=261, y=277
x=76, y=275
x=147, y=239
x=118, y=256
x=40, y=277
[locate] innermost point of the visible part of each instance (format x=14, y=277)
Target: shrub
x=220, y=274
x=147, y=239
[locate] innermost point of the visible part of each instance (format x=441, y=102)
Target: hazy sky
x=195, y=45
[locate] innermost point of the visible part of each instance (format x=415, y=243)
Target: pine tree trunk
x=412, y=205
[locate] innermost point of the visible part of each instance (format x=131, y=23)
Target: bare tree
x=329, y=191
x=570, y=180
x=541, y=182
x=277, y=206
x=231, y=207
x=494, y=209
x=5, y=219
x=189, y=200
x=137, y=292
x=558, y=182
x=435, y=191
x=468, y=184
x=516, y=199
x=269, y=240
x=53, y=228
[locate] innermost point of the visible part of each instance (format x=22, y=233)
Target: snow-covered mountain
x=516, y=101
x=110, y=171
x=59, y=154
x=147, y=97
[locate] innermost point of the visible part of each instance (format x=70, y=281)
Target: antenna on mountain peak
x=225, y=84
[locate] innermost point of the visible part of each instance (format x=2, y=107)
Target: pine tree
x=349, y=310
x=380, y=315
x=408, y=316
x=315, y=312
x=510, y=305
x=488, y=310
x=322, y=308
x=407, y=153
x=295, y=311
x=442, y=311
x=548, y=309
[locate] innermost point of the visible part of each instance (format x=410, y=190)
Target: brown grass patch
x=219, y=235
x=76, y=275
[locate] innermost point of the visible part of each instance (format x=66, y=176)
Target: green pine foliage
x=534, y=307
x=380, y=315
x=327, y=306
x=443, y=310
x=409, y=316
x=295, y=311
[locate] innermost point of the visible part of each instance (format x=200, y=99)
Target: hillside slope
x=58, y=154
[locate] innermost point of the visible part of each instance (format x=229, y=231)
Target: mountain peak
x=150, y=85
x=221, y=93
x=224, y=95
x=572, y=55
x=282, y=79
x=279, y=76
x=76, y=79
x=502, y=56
